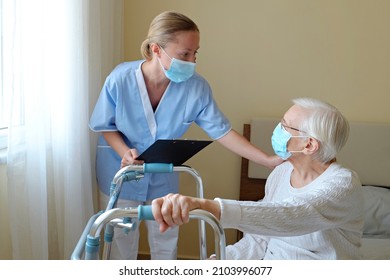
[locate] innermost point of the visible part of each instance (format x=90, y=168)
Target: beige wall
x=258, y=54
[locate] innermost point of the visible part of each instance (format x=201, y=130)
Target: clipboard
x=176, y=151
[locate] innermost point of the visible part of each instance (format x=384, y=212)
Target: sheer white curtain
x=56, y=75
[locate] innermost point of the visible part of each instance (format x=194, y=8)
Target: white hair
x=325, y=123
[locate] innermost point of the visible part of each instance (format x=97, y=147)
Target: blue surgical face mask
x=180, y=70
x=279, y=139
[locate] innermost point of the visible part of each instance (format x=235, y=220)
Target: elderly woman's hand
x=173, y=209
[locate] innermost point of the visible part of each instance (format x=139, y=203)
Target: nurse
x=157, y=98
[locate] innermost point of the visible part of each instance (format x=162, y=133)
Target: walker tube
x=114, y=194
x=76, y=255
x=199, y=193
x=94, y=233
x=219, y=233
x=92, y=248
x=145, y=213
x=129, y=176
x=108, y=233
x=158, y=167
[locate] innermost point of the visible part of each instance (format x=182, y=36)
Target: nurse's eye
x=189, y=56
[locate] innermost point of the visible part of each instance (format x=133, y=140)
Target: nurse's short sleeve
x=104, y=113
x=211, y=119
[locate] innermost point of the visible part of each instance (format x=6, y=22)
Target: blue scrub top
x=124, y=106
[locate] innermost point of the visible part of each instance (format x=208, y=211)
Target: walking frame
x=88, y=245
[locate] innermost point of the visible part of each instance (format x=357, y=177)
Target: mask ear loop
x=300, y=136
x=159, y=60
x=165, y=52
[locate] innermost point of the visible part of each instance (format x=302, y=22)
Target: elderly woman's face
x=291, y=122
x=292, y=119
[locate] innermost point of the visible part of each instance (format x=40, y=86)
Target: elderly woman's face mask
x=280, y=138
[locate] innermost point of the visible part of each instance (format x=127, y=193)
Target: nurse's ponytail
x=145, y=50
x=162, y=30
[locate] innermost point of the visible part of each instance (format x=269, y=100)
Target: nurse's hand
x=273, y=161
x=173, y=209
x=130, y=158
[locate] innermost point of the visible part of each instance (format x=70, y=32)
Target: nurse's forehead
x=187, y=39
x=184, y=48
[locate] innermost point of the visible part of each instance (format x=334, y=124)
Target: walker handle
x=145, y=212
x=158, y=167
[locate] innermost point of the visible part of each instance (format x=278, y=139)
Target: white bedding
x=377, y=212
x=376, y=231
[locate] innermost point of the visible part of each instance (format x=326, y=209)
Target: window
x=3, y=108
x=9, y=99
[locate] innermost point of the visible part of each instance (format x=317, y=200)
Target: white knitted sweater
x=322, y=220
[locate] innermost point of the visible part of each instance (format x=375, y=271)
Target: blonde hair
x=326, y=124
x=163, y=28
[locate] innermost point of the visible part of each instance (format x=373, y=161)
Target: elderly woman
x=312, y=208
